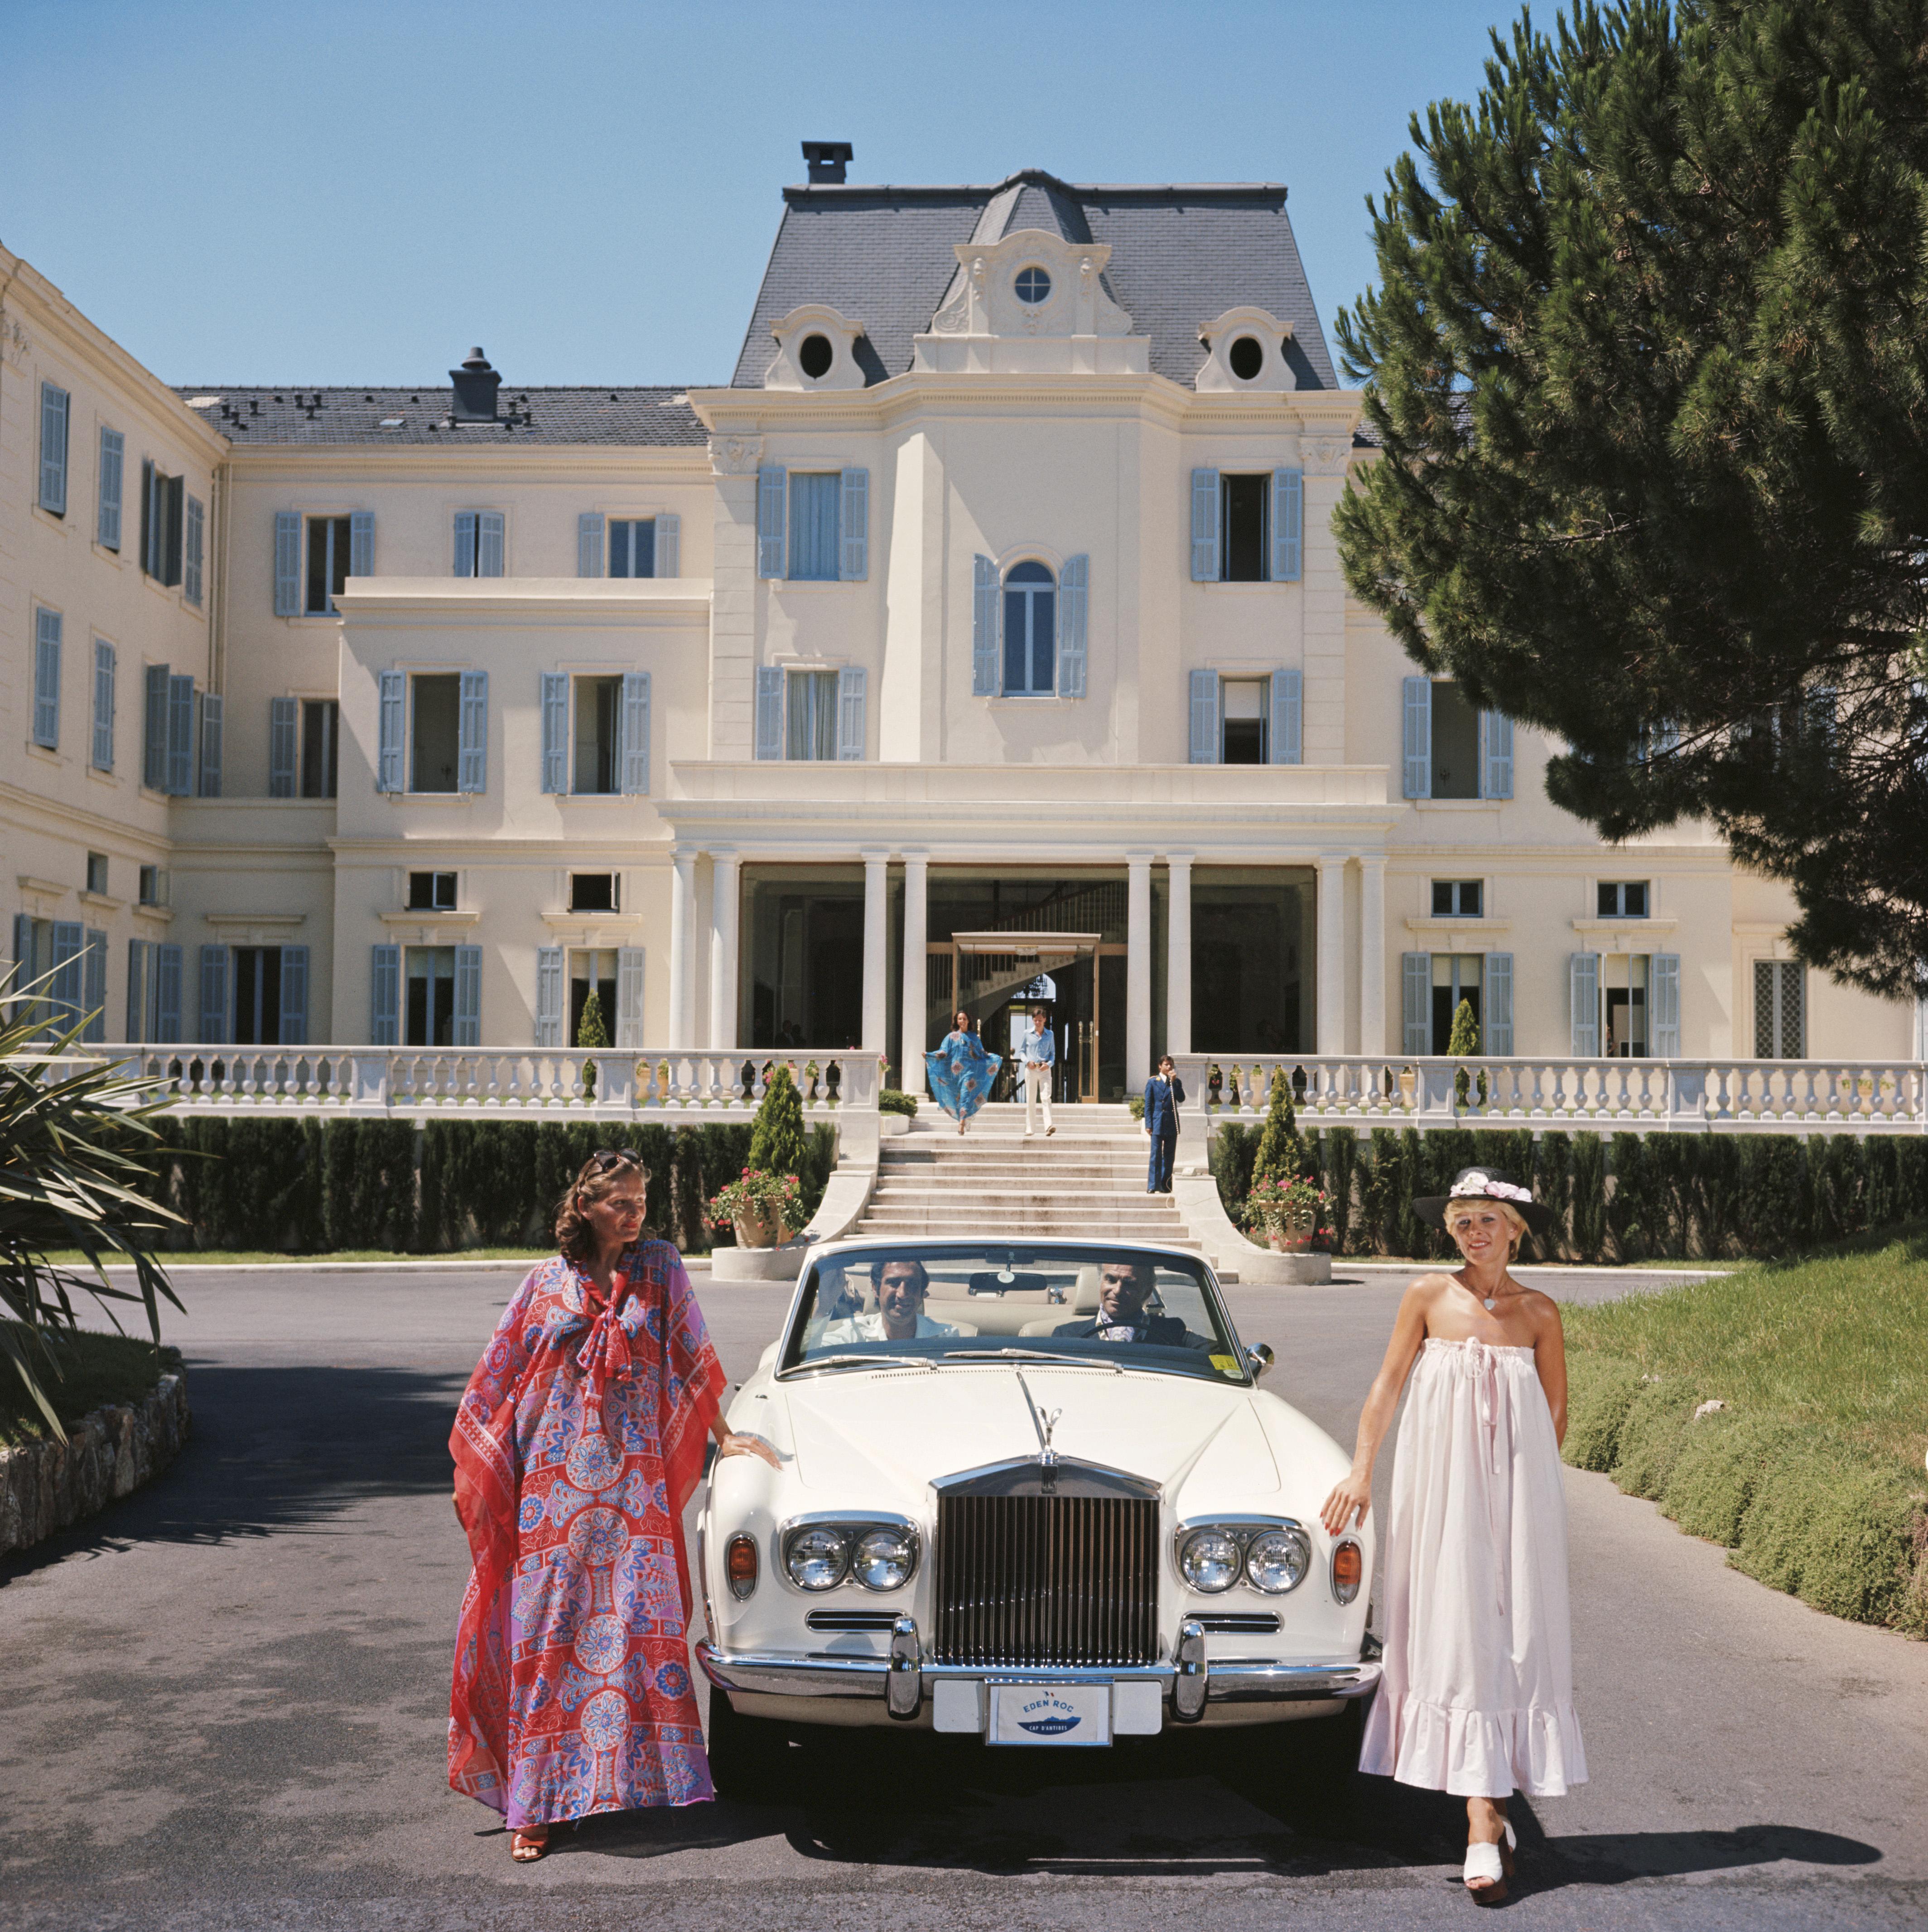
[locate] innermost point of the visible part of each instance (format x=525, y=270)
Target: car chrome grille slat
x=1046, y=1580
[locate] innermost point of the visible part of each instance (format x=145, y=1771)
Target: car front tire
x=747, y=1755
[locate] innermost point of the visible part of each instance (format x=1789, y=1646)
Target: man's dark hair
x=900, y=1260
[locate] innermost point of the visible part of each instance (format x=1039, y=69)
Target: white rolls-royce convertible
x=1029, y=1491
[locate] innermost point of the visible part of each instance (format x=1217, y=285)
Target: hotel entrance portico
x=827, y=906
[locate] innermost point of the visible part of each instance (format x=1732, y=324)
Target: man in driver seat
x=900, y=1317
x=1123, y=1289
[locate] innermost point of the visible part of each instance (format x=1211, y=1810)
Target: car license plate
x=1050, y=1714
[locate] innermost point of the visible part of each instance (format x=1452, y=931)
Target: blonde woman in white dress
x=1477, y=1695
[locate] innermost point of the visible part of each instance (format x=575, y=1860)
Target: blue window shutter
x=1665, y=978
x=1496, y=755
x=22, y=973
x=852, y=728
x=153, y=748
x=983, y=628
x=140, y=965
x=180, y=737
x=1417, y=761
x=1416, y=1002
x=103, y=705
x=472, y=768
x=287, y=563
x=1288, y=517
x=214, y=978
x=669, y=546
x=93, y=985
x=388, y=759
x=166, y=993
x=1583, y=978
x=113, y=464
x=633, y=746
x=384, y=995
x=1498, y=1029
x=47, y=677
x=629, y=996
x=769, y=712
x=1204, y=526
x=1204, y=712
x=294, y=996
x=1288, y=711
x=549, y=961
x=773, y=496
x=282, y=740
x=65, y=986
x=489, y=532
x=211, y=745
x=555, y=732
x=854, y=526
x=468, y=1031
x=197, y=548
x=153, y=523
x=362, y=544
x=53, y=449
x=589, y=544
x=464, y=543
x=1073, y=606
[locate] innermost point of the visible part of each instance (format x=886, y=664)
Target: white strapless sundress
x=1477, y=1695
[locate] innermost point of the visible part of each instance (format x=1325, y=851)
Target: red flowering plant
x=1293, y=1207
x=755, y=1195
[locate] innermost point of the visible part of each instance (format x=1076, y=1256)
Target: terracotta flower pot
x=764, y=1230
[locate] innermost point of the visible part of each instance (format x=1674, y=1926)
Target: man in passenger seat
x=900, y=1317
x=1123, y=1289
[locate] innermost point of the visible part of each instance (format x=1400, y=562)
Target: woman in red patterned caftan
x=579, y=1440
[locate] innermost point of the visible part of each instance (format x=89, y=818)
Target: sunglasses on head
x=603, y=1159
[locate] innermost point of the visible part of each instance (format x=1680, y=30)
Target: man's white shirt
x=870, y=1328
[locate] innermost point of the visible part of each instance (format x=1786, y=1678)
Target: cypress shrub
x=1772, y=1208
x=1715, y=1190
x=776, y=1143
x=1911, y=1178
x=1589, y=1197
x=1379, y=1192
x=339, y=1226
x=1629, y=1212
x=1881, y=1184
x=1670, y=1162
x=1553, y=1183
x=1447, y=1152
x=1838, y=1178
x=1281, y=1153
x=1411, y=1236
x=1339, y=1151
x=1233, y=1149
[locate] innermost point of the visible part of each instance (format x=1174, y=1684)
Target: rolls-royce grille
x=1046, y=1579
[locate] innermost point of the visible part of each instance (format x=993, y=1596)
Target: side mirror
x=1259, y=1360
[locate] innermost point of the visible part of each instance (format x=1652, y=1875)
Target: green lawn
x=95, y=1370
x=1811, y=1471
x=243, y=1257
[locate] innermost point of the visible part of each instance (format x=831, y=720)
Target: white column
x=1372, y=953
x=1138, y=970
x=910, y=1062
x=876, y=948
x=1331, y=954
x=723, y=907
x=682, y=950
x=1178, y=957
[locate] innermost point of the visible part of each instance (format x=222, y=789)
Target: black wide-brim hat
x=1486, y=1183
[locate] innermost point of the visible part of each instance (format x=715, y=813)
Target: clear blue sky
x=252, y=191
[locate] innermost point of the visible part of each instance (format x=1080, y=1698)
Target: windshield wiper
x=1030, y=1355
x=815, y=1362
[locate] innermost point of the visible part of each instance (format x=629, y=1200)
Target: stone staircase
x=1085, y=1182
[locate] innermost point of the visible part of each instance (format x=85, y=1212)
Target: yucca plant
x=75, y=1133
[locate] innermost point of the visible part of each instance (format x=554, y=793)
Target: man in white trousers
x=1040, y=1065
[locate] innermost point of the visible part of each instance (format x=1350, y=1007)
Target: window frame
x=339, y=522
x=1263, y=683
x=615, y=878
x=1620, y=888
x=612, y=522
x=832, y=482
x=413, y=789
x=433, y=902
x=821, y=727
x=1776, y=970
x=1030, y=590
x=329, y=710
x=1456, y=890
x=1263, y=480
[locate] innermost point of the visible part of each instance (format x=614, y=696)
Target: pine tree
x=1281, y=1152
x=777, y=1144
x=591, y=1030
x=1644, y=361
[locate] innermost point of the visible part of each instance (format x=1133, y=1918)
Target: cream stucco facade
x=1001, y=610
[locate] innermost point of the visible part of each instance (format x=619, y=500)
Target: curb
x=402, y=1264
x=46, y=1486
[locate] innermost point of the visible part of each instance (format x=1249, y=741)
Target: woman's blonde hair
x=1505, y=1209
x=603, y=1173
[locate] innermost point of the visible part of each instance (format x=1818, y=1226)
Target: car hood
x=878, y=1439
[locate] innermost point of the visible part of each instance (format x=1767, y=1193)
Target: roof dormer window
x=816, y=348
x=815, y=356
x=1034, y=285
x=1247, y=357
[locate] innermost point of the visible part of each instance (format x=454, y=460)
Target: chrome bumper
x=902, y=1679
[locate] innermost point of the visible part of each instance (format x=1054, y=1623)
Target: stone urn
x=1290, y=1234
x=760, y=1230
x=1409, y=1087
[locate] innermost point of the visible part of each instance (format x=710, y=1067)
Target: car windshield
x=943, y=1302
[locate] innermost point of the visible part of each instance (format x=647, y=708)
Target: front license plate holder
x=1050, y=1714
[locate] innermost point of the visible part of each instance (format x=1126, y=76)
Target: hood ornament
x=1045, y=1424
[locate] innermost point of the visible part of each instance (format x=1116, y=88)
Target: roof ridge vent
x=476, y=384
x=827, y=160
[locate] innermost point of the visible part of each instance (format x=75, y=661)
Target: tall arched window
x=1030, y=631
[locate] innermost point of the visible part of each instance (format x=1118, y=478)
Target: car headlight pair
x=879, y=1556
x=1273, y=1557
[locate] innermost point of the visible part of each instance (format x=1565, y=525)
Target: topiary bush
x=1280, y=1154
x=777, y=1144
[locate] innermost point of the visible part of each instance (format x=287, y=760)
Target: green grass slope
x=92, y=1370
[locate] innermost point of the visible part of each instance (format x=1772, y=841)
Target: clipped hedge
x=309, y=1186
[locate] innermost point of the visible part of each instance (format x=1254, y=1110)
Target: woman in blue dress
x=962, y=1072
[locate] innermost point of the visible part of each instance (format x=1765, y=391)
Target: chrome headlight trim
x=1342, y=1594
x=850, y=1527
x=1212, y=1551
x=817, y=1556
x=888, y=1551
x=1268, y=1550
x=1245, y=1533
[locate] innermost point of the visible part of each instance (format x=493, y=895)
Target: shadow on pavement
x=277, y=1449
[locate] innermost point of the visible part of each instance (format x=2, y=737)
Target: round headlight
x=1277, y=1561
x=817, y=1558
x=1208, y=1561
x=883, y=1559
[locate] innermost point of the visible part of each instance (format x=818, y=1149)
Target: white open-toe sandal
x=1489, y=1867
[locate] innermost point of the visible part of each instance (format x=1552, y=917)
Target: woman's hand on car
x=734, y=1445
x=1345, y=1508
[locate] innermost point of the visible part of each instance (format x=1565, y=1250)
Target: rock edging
x=46, y=1486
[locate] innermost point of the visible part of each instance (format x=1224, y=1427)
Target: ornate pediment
x=1031, y=301
x=1245, y=350
x=815, y=349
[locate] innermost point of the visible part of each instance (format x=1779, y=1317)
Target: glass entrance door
x=1083, y=998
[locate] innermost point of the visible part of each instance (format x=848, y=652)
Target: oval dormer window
x=814, y=357
x=1034, y=285
x=1246, y=358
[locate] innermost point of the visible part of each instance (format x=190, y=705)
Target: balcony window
x=434, y=747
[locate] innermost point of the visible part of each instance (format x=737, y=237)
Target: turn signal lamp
x=739, y=1564
x=1348, y=1571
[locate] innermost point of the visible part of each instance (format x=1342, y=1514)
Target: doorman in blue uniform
x=1163, y=1092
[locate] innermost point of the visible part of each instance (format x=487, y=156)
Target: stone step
x=1032, y=1194
x=995, y=1226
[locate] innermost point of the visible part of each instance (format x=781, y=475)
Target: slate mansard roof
x=617, y=416
x=1180, y=256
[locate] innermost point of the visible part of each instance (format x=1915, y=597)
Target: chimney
x=827, y=160
x=475, y=386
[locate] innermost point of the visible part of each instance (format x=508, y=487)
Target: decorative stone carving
x=1325, y=455
x=984, y=326
x=735, y=455
x=815, y=349
x=1230, y=341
